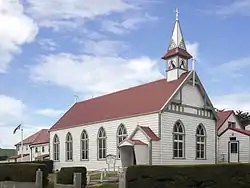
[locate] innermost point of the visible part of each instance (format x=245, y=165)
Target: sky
x=52, y=50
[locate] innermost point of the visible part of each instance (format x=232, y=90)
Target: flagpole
x=21, y=142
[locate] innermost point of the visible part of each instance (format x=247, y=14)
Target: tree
x=243, y=117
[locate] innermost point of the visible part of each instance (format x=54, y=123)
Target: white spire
x=177, y=14
x=177, y=39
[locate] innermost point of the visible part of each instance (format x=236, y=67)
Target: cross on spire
x=177, y=14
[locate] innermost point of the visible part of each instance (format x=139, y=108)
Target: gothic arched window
x=200, y=142
x=121, y=135
x=101, y=139
x=56, y=146
x=69, y=147
x=178, y=140
x=84, y=145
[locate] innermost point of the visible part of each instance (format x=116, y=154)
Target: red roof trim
x=242, y=131
x=177, y=51
x=138, y=142
x=42, y=156
x=223, y=116
x=150, y=133
x=18, y=156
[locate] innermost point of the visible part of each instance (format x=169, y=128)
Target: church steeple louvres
x=177, y=56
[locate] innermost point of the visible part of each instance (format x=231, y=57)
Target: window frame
x=84, y=141
x=201, y=140
x=69, y=147
x=178, y=135
x=123, y=136
x=56, y=146
x=102, y=139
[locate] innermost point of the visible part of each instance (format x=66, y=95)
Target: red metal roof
x=42, y=156
x=18, y=156
x=150, y=133
x=39, y=137
x=142, y=99
x=223, y=116
x=138, y=142
x=177, y=51
x=242, y=131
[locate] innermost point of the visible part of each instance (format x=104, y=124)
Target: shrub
x=21, y=172
x=198, y=176
x=48, y=163
x=66, y=175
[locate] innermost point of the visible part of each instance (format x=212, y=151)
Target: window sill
x=69, y=160
x=200, y=159
x=84, y=160
x=179, y=158
x=103, y=159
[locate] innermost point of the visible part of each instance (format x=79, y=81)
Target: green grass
x=104, y=185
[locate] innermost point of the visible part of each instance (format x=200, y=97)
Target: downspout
x=159, y=135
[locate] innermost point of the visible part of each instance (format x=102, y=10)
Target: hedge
x=195, y=176
x=48, y=163
x=22, y=172
x=66, y=175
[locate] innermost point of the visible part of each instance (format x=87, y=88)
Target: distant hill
x=5, y=153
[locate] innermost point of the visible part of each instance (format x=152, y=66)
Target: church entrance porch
x=134, y=152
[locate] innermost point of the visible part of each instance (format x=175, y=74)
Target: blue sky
x=52, y=49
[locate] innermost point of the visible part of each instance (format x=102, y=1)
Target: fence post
x=88, y=178
x=101, y=176
x=39, y=179
x=78, y=180
x=122, y=178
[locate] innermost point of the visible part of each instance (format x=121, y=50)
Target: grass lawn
x=104, y=185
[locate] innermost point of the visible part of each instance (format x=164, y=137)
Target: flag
x=18, y=127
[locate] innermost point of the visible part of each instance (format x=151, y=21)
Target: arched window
x=121, y=135
x=84, y=145
x=101, y=139
x=69, y=147
x=178, y=140
x=56, y=145
x=200, y=142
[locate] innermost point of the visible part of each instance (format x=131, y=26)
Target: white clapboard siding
x=223, y=146
x=39, y=152
x=190, y=124
x=156, y=152
x=110, y=127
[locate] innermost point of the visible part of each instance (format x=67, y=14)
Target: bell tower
x=177, y=56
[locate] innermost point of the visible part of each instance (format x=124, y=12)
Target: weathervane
x=76, y=97
x=177, y=14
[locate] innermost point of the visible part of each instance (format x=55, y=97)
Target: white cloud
x=193, y=49
x=8, y=139
x=126, y=24
x=232, y=69
x=72, y=13
x=16, y=29
x=239, y=7
x=48, y=44
x=94, y=75
x=12, y=111
x=233, y=101
x=104, y=47
x=49, y=112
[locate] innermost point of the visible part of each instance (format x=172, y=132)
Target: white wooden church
x=164, y=122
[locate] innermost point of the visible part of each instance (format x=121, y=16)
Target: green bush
x=195, y=176
x=21, y=172
x=48, y=163
x=66, y=175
